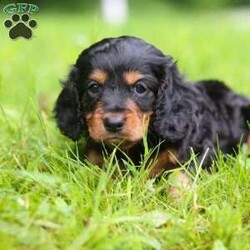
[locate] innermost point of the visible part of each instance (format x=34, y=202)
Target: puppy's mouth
x=119, y=141
x=122, y=129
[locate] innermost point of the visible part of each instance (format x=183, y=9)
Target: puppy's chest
x=158, y=161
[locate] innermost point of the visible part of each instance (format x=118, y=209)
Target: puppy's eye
x=93, y=87
x=140, y=88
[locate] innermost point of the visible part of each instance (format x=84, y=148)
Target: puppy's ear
x=172, y=110
x=68, y=108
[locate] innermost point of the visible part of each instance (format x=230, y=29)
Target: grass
x=51, y=200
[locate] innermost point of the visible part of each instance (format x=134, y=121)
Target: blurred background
x=208, y=39
x=47, y=200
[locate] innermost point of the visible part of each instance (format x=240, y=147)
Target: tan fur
x=98, y=75
x=166, y=160
x=95, y=123
x=131, y=77
x=95, y=157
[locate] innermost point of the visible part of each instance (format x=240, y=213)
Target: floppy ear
x=173, y=105
x=68, y=108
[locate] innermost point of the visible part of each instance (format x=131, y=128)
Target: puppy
x=122, y=88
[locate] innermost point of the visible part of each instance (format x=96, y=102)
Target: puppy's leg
x=248, y=144
x=94, y=153
x=180, y=183
x=179, y=180
x=248, y=140
x=165, y=160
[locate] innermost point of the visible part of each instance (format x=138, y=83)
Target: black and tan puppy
x=121, y=88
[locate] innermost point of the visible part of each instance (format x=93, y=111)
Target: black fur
x=68, y=109
x=201, y=115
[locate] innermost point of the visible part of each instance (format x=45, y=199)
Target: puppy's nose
x=114, y=123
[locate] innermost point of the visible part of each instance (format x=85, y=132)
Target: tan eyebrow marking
x=131, y=77
x=98, y=75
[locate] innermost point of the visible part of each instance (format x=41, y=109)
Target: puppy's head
x=112, y=90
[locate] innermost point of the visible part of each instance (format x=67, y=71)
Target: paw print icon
x=20, y=26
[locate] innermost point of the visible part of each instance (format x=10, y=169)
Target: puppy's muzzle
x=114, y=122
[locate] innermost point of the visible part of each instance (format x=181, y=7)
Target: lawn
x=49, y=199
